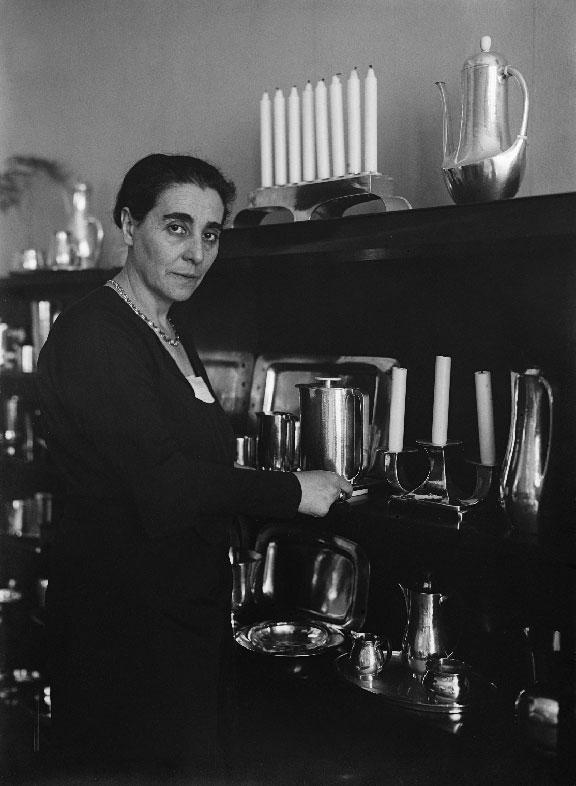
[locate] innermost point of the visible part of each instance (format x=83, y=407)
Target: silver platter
x=289, y=639
x=397, y=686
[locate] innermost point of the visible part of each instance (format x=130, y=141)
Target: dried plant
x=22, y=171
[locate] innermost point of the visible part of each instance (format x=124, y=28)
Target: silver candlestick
x=317, y=199
x=438, y=491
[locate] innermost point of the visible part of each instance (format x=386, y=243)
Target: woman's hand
x=320, y=490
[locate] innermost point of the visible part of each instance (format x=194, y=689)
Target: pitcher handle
x=507, y=462
x=362, y=413
x=548, y=389
x=511, y=71
x=99, y=235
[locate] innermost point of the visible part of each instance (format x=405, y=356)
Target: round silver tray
x=397, y=686
x=334, y=638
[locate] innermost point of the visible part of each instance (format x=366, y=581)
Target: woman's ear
x=127, y=226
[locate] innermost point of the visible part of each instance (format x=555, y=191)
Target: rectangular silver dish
x=303, y=575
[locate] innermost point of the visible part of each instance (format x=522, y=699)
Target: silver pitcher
x=528, y=451
x=425, y=635
x=277, y=441
x=334, y=427
x=369, y=653
x=485, y=164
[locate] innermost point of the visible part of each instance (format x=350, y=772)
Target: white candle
x=337, y=127
x=485, y=411
x=266, y=141
x=354, y=132
x=322, y=145
x=294, y=137
x=308, y=144
x=397, y=406
x=371, y=122
x=441, y=400
x=279, y=138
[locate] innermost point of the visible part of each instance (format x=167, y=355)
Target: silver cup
x=277, y=449
x=245, y=564
x=246, y=451
x=447, y=678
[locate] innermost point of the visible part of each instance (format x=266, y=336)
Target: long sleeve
x=110, y=416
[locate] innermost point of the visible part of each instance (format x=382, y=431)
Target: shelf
x=408, y=234
x=403, y=234
x=46, y=283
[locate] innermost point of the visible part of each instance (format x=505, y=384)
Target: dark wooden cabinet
x=491, y=285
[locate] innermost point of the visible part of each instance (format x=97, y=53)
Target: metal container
x=485, y=164
x=334, y=427
x=244, y=565
x=425, y=635
x=527, y=455
x=277, y=441
x=246, y=450
x=370, y=653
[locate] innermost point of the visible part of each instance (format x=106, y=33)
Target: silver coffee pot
x=485, y=164
x=528, y=451
x=334, y=427
x=426, y=633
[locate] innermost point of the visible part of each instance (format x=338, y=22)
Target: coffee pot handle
x=511, y=71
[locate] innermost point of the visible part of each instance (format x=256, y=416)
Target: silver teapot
x=528, y=452
x=485, y=164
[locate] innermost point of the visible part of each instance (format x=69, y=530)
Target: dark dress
x=140, y=580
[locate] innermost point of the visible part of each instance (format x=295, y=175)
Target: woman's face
x=173, y=248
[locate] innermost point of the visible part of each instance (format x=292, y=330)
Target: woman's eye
x=211, y=237
x=176, y=229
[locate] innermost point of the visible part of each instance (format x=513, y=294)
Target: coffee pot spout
x=447, y=133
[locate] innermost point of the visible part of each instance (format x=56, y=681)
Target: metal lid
x=485, y=57
x=322, y=382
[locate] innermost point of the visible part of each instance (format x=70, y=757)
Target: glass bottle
x=86, y=233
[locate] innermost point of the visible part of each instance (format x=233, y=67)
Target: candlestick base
x=388, y=465
x=319, y=199
x=438, y=491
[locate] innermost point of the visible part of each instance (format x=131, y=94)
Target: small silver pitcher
x=526, y=460
x=277, y=441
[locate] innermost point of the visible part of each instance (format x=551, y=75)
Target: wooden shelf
x=40, y=284
x=408, y=234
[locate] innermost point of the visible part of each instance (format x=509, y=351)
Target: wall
x=96, y=85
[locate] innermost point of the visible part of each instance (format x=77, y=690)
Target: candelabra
x=318, y=199
x=437, y=493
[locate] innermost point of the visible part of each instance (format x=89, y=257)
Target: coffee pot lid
x=322, y=382
x=485, y=57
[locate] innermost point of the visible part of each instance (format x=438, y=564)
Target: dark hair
x=152, y=175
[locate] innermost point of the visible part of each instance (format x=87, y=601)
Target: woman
x=140, y=582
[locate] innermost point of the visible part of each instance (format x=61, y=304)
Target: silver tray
x=305, y=575
x=335, y=637
x=230, y=374
x=399, y=688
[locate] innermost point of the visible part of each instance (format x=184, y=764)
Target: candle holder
x=438, y=492
x=319, y=199
x=392, y=470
